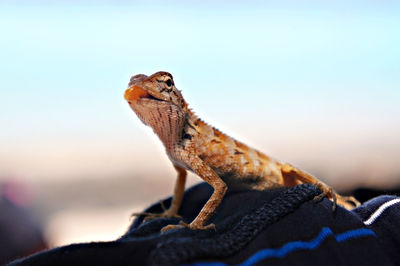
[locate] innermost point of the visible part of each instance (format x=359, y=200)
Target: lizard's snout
x=135, y=92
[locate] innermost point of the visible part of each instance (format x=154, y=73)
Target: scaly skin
x=218, y=159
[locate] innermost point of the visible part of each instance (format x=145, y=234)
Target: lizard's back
x=237, y=164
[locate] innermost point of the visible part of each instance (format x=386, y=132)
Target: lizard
x=221, y=161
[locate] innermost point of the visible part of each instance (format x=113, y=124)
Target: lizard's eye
x=169, y=82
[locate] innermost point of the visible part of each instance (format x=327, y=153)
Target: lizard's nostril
x=136, y=79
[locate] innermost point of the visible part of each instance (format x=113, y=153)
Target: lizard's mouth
x=134, y=93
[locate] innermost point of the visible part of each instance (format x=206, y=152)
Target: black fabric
x=285, y=226
x=387, y=226
x=364, y=193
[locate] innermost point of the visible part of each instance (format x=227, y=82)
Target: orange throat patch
x=134, y=93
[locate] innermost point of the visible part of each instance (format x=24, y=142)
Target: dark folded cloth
x=273, y=227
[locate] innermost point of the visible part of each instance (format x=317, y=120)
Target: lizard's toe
x=206, y=227
x=197, y=226
x=147, y=215
x=151, y=216
x=352, y=200
x=191, y=226
x=320, y=197
x=326, y=192
x=171, y=227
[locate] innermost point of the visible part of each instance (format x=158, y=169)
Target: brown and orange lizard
x=221, y=161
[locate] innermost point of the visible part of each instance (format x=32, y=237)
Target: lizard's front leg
x=220, y=188
x=179, y=190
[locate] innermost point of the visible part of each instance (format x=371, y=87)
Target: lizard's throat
x=166, y=121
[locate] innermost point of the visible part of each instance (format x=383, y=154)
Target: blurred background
x=314, y=83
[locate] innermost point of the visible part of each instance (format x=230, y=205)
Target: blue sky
x=242, y=66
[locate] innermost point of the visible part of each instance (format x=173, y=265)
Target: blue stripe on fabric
x=357, y=233
x=297, y=245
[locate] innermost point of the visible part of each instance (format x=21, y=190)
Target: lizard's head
x=155, y=89
x=150, y=95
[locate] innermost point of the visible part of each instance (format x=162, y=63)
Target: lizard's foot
x=349, y=202
x=167, y=213
x=326, y=192
x=191, y=226
x=354, y=201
